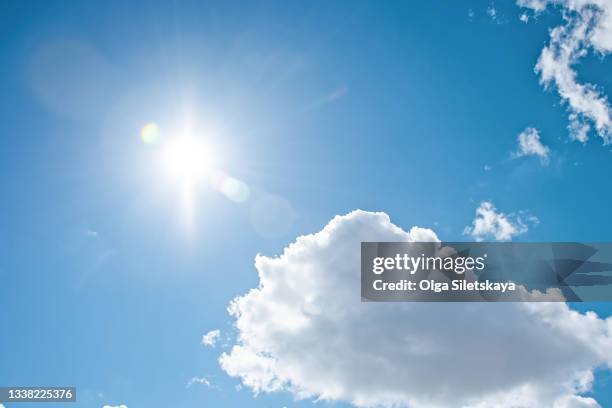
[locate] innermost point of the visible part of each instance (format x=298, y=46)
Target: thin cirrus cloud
x=587, y=24
x=490, y=223
x=529, y=144
x=494, y=14
x=387, y=355
x=210, y=338
x=115, y=406
x=199, y=380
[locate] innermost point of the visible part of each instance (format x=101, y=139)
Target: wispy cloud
x=491, y=223
x=529, y=144
x=495, y=15
x=199, y=380
x=492, y=11
x=587, y=25
x=210, y=338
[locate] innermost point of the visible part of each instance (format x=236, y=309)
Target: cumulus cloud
x=491, y=223
x=210, y=338
x=587, y=26
x=529, y=144
x=305, y=330
x=575, y=401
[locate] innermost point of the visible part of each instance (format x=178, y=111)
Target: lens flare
x=231, y=187
x=150, y=133
x=235, y=190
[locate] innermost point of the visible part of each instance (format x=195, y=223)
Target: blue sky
x=319, y=108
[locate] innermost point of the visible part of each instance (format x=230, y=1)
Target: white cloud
x=492, y=11
x=304, y=330
x=494, y=14
x=574, y=401
x=529, y=144
x=491, y=223
x=115, y=406
x=199, y=380
x=210, y=338
x=587, y=26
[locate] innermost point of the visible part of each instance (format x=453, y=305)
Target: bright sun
x=186, y=160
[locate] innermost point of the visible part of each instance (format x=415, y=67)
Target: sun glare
x=186, y=160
